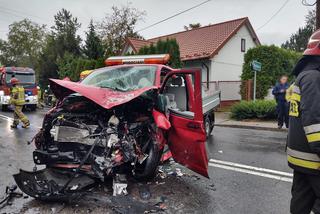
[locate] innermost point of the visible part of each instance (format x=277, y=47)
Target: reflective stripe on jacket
x=289, y=92
x=304, y=130
x=17, y=96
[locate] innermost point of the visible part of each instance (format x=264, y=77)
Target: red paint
x=104, y=97
x=72, y=166
x=166, y=156
x=187, y=136
x=161, y=120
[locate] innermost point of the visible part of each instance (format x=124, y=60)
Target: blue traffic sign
x=256, y=66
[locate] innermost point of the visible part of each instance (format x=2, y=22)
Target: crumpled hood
x=104, y=97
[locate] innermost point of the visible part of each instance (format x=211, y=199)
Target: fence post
x=248, y=90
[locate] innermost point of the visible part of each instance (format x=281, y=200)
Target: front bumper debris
x=46, y=184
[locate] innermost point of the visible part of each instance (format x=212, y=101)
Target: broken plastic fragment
x=119, y=185
x=179, y=173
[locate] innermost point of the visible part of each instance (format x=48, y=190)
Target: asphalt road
x=248, y=174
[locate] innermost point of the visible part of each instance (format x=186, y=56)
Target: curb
x=251, y=127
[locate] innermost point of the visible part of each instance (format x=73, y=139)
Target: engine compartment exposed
x=80, y=137
x=120, y=136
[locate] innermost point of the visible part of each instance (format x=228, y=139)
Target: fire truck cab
x=27, y=79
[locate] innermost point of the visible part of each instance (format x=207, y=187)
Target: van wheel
x=208, y=126
x=148, y=169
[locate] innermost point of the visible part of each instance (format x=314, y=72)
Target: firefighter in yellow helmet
x=17, y=99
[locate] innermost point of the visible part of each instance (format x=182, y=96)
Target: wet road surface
x=248, y=172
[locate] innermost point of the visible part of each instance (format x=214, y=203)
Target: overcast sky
x=276, y=31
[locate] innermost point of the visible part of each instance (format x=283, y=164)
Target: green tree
x=47, y=65
x=61, y=42
x=275, y=62
x=6, y=57
x=65, y=33
x=71, y=66
x=24, y=45
x=299, y=40
x=192, y=26
x=119, y=25
x=169, y=46
x=93, y=48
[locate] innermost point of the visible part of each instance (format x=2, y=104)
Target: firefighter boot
x=14, y=126
x=26, y=125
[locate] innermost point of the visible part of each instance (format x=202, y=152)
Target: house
x=218, y=49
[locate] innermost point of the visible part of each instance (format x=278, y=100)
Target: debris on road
x=120, y=185
x=178, y=172
x=144, y=192
x=10, y=195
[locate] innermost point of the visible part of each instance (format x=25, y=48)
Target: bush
x=71, y=66
x=261, y=109
x=169, y=46
x=275, y=62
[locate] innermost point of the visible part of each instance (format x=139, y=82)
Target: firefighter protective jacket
x=304, y=130
x=17, y=96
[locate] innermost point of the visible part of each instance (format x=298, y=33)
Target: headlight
x=1, y=93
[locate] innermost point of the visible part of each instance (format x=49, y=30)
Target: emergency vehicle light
x=138, y=59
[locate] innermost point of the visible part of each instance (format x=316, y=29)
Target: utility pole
x=317, y=14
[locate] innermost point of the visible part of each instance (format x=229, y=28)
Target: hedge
x=261, y=109
x=275, y=62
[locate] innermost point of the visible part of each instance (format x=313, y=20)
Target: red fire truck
x=27, y=79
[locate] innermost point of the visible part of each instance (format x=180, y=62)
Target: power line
x=274, y=15
x=177, y=14
x=17, y=13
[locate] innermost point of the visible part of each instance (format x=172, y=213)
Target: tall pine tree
x=65, y=33
x=299, y=40
x=93, y=48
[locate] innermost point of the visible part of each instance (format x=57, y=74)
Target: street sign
x=256, y=66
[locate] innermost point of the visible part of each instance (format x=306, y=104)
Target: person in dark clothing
x=303, y=145
x=279, y=91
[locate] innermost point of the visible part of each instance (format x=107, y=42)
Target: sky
x=278, y=30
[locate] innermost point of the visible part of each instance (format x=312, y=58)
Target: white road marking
x=259, y=169
x=6, y=117
x=276, y=177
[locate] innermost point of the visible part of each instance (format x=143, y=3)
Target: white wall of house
x=127, y=50
x=227, y=64
x=204, y=65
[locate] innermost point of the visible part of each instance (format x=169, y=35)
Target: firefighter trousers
x=305, y=193
x=18, y=115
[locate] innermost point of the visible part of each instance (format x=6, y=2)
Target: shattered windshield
x=127, y=78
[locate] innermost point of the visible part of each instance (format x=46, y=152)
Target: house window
x=243, y=45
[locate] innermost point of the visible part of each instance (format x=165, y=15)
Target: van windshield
x=27, y=78
x=126, y=78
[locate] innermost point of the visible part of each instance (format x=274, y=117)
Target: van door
x=186, y=135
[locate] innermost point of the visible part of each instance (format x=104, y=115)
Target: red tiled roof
x=136, y=44
x=203, y=42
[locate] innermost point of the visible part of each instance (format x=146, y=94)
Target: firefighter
x=17, y=99
x=303, y=146
x=279, y=91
